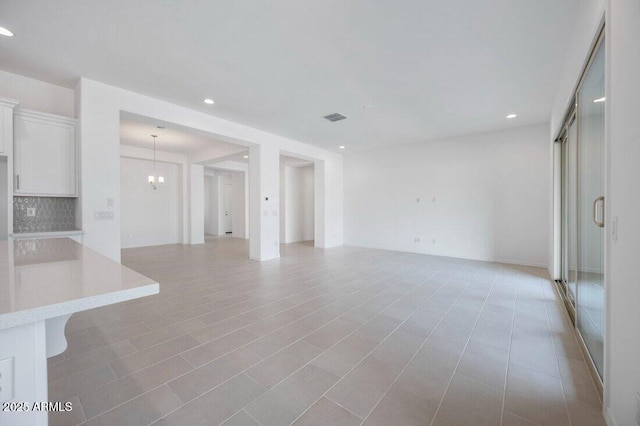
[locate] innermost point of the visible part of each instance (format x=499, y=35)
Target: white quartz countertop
x=46, y=234
x=47, y=278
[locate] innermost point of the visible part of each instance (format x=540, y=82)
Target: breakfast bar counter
x=42, y=283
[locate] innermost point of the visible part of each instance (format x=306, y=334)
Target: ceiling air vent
x=336, y=116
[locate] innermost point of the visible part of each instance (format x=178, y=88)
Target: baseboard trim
x=608, y=418
x=259, y=259
x=493, y=260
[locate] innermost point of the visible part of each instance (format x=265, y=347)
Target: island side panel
x=26, y=344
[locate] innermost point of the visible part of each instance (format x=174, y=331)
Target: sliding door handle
x=599, y=223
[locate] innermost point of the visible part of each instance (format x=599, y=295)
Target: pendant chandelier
x=155, y=180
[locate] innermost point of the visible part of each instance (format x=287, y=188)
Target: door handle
x=599, y=223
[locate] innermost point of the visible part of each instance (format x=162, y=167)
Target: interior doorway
x=226, y=207
x=297, y=200
x=227, y=218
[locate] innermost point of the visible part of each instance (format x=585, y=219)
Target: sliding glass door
x=591, y=202
x=582, y=206
x=569, y=253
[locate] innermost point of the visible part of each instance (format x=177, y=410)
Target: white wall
x=297, y=204
x=264, y=193
x=36, y=94
x=182, y=162
x=149, y=217
x=196, y=204
x=622, y=345
x=211, y=204
x=98, y=109
x=490, y=192
x=238, y=207
x=589, y=17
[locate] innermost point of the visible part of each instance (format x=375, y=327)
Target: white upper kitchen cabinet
x=6, y=124
x=45, y=154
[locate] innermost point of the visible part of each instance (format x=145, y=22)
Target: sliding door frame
x=562, y=188
x=570, y=116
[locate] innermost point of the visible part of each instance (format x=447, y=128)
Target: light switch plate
x=6, y=379
x=103, y=215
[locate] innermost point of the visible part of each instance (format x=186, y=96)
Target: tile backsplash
x=51, y=214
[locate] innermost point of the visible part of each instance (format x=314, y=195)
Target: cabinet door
x=45, y=157
x=3, y=132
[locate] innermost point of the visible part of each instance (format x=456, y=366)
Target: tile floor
x=344, y=336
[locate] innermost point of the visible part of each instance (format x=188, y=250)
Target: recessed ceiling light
x=208, y=101
x=602, y=99
x=341, y=147
x=511, y=116
x=245, y=156
x=5, y=32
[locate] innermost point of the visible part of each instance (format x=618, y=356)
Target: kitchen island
x=42, y=283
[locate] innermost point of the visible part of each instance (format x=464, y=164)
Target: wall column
x=264, y=193
x=196, y=203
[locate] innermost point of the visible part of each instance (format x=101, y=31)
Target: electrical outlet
x=31, y=211
x=433, y=241
x=416, y=240
x=109, y=202
x=6, y=379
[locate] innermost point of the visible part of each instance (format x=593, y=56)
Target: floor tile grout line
x=290, y=295
x=285, y=378
x=180, y=310
x=435, y=415
x=335, y=402
x=185, y=403
x=380, y=343
x=506, y=376
x=210, y=361
x=555, y=355
x=420, y=348
x=347, y=311
x=201, y=344
x=229, y=286
x=574, y=335
x=247, y=413
x=368, y=353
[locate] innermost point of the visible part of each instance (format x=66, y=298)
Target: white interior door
x=226, y=205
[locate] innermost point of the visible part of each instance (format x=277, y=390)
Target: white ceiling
x=137, y=131
x=401, y=71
